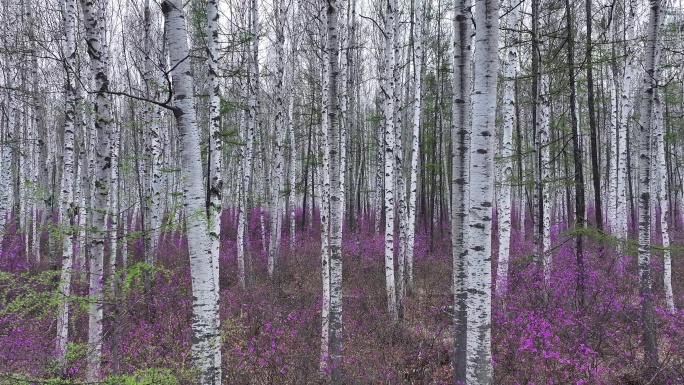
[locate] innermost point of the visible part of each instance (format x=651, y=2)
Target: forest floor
x=271, y=335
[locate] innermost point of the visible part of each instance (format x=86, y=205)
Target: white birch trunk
x=293, y=156
x=479, y=349
x=214, y=207
x=80, y=191
x=152, y=116
x=242, y=201
x=460, y=158
x=343, y=72
x=66, y=193
x=325, y=192
x=35, y=139
x=650, y=88
x=114, y=201
x=206, y=347
x=400, y=182
x=278, y=159
x=379, y=177
x=613, y=159
x=415, y=135
x=625, y=113
x=389, y=160
x=244, y=264
x=504, y=206
x=264, y=187
x=5, y=177
x=93, y=15
x=215, y=148
x=544, y=125
x=664, y=203
x=336, y=202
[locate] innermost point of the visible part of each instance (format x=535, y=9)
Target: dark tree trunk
x=577, y=155
x=596, y=175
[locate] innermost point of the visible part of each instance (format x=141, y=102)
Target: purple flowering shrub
x=541, y=332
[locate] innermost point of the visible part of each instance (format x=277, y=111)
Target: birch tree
x=93, y=16
x=152, y=118
x=504, y=212
x=66, y=192
x=11, y=138
x=485, y=58
x=206, y=346
x=663, y=200
x=624, y=117
x=252, y=122
x=324, y=180
x=278, y=160
x=460, y=158
x=336, y=204
x=545, y=172
x=415, y=138
x=650, y=89
x=611, y=201
x=389, y=159
x=215, y=156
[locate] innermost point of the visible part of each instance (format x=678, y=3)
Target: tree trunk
x=93, y=15
x=415, y=138
x=577, y=157
x=650, y=88
x=593, y=139
x=479, y=233
x=543, y=122
x=509, y=103
x=336, y=204
x=663, y=200
x=214, y=175
x=206, y=346
x=278, y=161
x=389, y=160
x=215, y=141
x=460, y=158
x=325, y=192
x=623, y=167
x=66, y=194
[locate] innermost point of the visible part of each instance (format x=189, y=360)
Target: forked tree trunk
x=206, y=346
x=93, y=15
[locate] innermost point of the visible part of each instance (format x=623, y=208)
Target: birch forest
x=341, y=192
